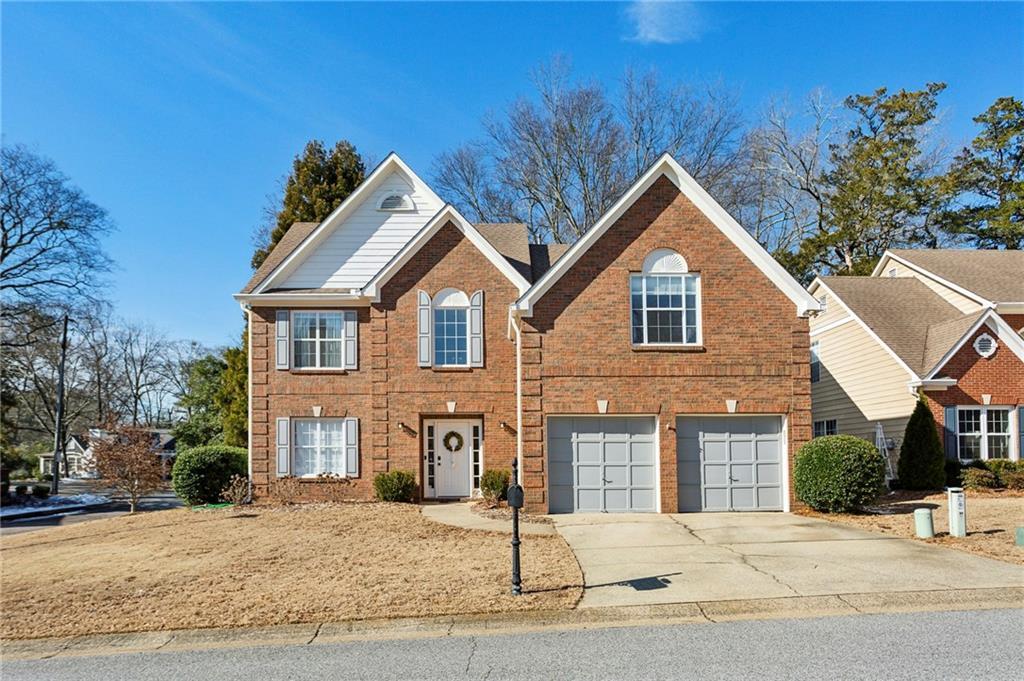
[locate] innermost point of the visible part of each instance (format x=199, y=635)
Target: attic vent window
x=985, y=345
x=396, y=202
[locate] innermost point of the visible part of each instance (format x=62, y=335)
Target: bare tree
x=49, y=236
x=126, y=461
x=141, y=354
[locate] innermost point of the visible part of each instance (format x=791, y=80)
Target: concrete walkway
x=460, y=515
x=644, y=559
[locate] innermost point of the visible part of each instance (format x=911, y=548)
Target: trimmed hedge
x=922, y=463
x=200, y=474
x=838, y=473
x=978, y=478
x=395, y=486
x=494, y=484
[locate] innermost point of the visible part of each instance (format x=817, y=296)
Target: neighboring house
x=77, y=461
x=659, y=364
x=945, y=323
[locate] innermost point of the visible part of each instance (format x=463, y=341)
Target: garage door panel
x=611, y=466
x=729, y=463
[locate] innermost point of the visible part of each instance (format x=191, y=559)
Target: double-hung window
x=983, y=433
x=826, y=427
x=451, y=328
x=318, y=447
x=665, y=302
x=317, y=340
x=815, y=361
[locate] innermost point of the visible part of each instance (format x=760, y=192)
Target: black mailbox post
x=514, y=495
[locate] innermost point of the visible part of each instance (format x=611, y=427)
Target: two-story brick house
x=659, y=364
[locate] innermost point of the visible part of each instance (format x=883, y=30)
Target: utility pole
x=58, y=438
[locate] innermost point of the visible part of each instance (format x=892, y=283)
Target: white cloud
x=664, y=21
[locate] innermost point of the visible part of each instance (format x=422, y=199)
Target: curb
x=701, y=612
x=55, y=511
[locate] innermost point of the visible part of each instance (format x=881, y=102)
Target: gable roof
x=391, y=164
x=996, y=276
x=512, y=240
x=447, y=214
x=990, y=318
x=668, y=167
x=295, y=235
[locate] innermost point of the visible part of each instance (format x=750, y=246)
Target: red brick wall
x=1001, y=376
x=389, y=387
x=577, y=347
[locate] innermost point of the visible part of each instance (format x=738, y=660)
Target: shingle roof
x=295, y=235
x=914, y=321
x=997, y=276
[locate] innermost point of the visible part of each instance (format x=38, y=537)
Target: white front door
x=452, y=447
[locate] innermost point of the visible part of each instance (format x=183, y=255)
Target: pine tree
x=922, y=463
x=319, y=182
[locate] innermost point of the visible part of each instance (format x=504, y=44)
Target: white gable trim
x=887, y=256
x=668, y=167
x=448, y=213
x=392, y=163
x=818, y=283
x=1004, y=332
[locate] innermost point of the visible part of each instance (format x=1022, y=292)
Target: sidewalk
x=482, y=625
x=459, y=514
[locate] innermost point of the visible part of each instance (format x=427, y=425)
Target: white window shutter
x=352, y=447
x=350, y=333
x=424, y=326
x=283, y=449
x=476, y=329
x=281, y=344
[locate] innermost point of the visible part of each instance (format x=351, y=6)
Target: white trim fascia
x=1003, y=331
x=831, y=325
x=372, y=290
x=671, y=169
x=933, y=384
x=934, y=277
x=1010, y=308
x=892, y=353
x=384, y=169
x=301, y=299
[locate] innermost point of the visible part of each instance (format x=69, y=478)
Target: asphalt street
x=950, y=645
x=155, y=501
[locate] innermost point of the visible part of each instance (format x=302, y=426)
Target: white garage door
x=601, y=464
x=729, y=463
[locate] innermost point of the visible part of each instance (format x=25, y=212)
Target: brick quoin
x=389, y=387
x=1001, y=376
x=756, y=348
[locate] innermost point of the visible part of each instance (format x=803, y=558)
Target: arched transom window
x=665, y=301
x=451, y=328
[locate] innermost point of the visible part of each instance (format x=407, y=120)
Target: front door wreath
x=453, y=441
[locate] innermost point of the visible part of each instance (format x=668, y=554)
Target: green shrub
x=922, y=463
x=1014, y=480
x=1000, y=467
x=21, y=490
x=494, y=485
x=200, y=474
x=40, y=491
x=395, y=486
x=978, y=478
x=838, y=473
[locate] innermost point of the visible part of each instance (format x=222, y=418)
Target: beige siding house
x=943, y=323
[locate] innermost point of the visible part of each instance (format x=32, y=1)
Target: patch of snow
x=53, y=504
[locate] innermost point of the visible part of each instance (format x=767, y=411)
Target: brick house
x=947, y=324
x=661, y=363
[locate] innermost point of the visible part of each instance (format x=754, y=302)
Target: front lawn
x=992, y=519
x=267, y=565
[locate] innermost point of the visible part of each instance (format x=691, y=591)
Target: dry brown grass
x=992, y=519
x=264, y=566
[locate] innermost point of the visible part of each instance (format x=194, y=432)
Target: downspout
x=248, y=388
x=519, y=392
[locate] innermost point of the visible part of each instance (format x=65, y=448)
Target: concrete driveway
x=643, y=559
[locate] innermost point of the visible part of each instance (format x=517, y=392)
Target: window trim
x=825, y=427
x=293, y=446
x=983, y=409
x=292, y=340
x=699, y=309
x=815, y=351
x=445, y=295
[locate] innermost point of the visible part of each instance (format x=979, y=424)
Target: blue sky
x=181, y=118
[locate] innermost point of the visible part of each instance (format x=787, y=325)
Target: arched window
x=396, y=202
x=665, y=301
x=451, y=328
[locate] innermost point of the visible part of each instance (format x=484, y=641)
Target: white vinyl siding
x=860, y=384
x=317, y=341
x=665, y=309
x=363, y=244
